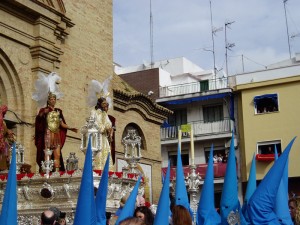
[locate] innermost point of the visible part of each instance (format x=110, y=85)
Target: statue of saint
x=106, y=129
x=7, y=138
x=50, y=132
x=50, y=125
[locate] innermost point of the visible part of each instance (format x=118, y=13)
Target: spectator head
x=62, y=218
x=181, y=216
x=48, y=218
x=56, y=212
x=293, y=208
x=132, y=221
x=145, y=214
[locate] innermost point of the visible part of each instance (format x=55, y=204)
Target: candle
x=179, y=140
x=192, y=146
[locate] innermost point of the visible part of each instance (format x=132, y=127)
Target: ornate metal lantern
x=132, y=144
x=72, y=162
x=91, y=129
x=19, y=156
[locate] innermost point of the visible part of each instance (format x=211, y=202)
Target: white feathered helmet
x=98, y=90
x=46, y=86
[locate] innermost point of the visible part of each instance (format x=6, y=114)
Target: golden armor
x=53, y=121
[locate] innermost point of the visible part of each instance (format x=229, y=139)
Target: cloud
x=183, y=28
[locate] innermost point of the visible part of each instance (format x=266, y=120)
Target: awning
x=197, y=99
x=273, y=97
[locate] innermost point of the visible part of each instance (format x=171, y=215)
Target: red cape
x=40, y=129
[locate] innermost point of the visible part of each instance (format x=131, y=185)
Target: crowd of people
x=219, y=158
x=143, y=215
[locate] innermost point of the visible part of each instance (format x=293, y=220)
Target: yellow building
x=268, y=116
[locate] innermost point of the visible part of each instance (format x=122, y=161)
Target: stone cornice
x=50, y=25
x=140, y=103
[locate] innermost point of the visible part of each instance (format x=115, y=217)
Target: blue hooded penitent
x=261, y=205
x=86, y=207
x=206, y=213
x=129, y=207
x=181, y=197
x=163, y=207
x=102, y=194
x=9, y=212
x=251, y=186
x=229, y=199
x=281, y=206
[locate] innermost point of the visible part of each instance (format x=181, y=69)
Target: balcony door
x=178, y=118
x=213, y=113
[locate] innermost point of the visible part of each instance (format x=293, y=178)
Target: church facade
x=74, y=39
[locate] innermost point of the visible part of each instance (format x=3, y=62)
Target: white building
x=197, y=97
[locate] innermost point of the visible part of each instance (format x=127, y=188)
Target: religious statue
x=7, y=138
x=132, y=143
x=50, y=125
x=98, y=97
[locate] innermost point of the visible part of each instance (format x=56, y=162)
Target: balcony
x=200, y=128
x=195, y=87
x=219, y=170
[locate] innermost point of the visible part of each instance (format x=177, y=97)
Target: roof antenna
x=213, y=32
x=287, y=27
x=151, y=36
x=228, y=46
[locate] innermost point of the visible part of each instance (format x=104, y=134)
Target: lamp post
x=92, y=131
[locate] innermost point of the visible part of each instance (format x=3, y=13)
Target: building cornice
x=140, y=103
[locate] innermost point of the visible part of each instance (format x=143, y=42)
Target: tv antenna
x=287, y=27
x=228, y=46
x=151, y=36
x=214, y=30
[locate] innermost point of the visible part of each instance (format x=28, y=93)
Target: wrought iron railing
x=199, y=127
x=188, y=88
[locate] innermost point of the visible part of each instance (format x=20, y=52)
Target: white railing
x=200, y=128
x=188, y=88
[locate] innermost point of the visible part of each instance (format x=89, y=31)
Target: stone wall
x=75, y=39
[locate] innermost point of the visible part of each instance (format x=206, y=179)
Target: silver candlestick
x=47, y=165
x=193, y=182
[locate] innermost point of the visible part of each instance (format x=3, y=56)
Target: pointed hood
x=251, y=186
x=102, y=194
x=9, y=212
x=129, y=207
x=261, y=205
x=229, y=198
x=163, y=207
x=206, y=213
x=281, y=205
x=181, y=197
x=86, y=207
